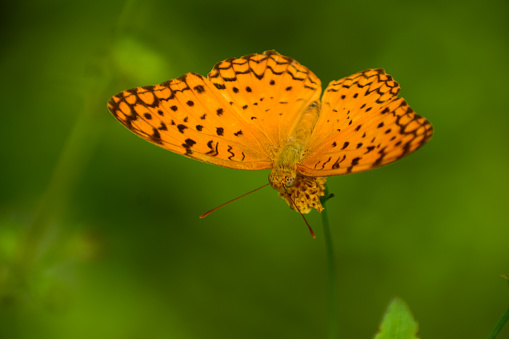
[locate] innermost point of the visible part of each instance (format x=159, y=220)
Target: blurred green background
x=99, y=230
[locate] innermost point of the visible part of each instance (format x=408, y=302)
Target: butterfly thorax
x=290, y=154
x=298, y=190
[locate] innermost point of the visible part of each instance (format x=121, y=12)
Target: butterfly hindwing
x=269, y=90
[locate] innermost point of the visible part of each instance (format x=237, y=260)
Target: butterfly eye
x=289, y=181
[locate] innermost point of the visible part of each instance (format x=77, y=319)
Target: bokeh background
x=99, y=230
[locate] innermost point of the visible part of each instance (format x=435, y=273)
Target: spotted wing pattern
x=270, y=91
x=236, y=118
x=362, y=125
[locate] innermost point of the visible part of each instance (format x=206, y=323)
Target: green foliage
x=398, y=322
x=127, y=53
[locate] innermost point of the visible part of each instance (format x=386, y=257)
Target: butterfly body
x=284, y=171
x=263, y=111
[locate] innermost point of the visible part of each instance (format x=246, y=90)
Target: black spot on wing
x=190, y=142
x=156, y=137
x=213, y=150
x=181, y=128
x=199, y=88
x=230, y=151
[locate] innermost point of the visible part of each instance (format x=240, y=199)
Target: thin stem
x=73, y=158
x=331, y=267
x=500, y=324
x=77, y=151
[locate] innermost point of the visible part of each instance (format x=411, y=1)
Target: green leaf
x=398, y=322
x=138, y=61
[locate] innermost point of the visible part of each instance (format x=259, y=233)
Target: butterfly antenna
x=302, y=215
x=226, y=203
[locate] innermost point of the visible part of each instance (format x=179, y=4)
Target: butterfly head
x=282, y=179
x=300, y=192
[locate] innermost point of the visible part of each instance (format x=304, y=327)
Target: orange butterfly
x=264, y=111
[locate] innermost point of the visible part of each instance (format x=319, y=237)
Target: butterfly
x=263, y=111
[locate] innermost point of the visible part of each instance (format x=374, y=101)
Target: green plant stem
x=331, y=267
x=500, y=324
x=76, y=153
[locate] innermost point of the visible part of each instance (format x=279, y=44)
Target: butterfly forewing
x=189, y=116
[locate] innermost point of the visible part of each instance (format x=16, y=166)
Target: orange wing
x=271, y=91
x=363, y=125
x=236, y=118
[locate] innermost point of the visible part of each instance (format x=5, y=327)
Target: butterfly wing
x=229, y=119
x=269, y=90
x=188, y=116
x=363, y=125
